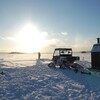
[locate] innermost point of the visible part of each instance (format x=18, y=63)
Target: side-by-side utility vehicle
x=63, y=56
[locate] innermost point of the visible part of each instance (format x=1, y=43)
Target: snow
x=27, y=78
x=96, y=48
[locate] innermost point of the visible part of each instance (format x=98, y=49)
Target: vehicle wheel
x=51, y=65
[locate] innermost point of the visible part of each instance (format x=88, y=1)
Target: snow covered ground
x=27, y=78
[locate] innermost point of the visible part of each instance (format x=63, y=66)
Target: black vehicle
x=63, y=58
x=65, y=54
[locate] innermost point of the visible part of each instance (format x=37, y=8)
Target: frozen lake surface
x=27, y=78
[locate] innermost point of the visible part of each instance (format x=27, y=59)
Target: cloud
x=8, y=38
x=38, y=39
x=64, y=33
x=45, y=33
x=80, y=45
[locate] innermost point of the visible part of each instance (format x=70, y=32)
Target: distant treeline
x=85, y=51
x=40, y=52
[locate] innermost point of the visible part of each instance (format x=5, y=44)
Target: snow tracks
x=39, y=82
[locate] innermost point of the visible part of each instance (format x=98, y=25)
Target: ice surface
x=27, y=78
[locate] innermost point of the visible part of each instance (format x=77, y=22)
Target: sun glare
x=30, y=39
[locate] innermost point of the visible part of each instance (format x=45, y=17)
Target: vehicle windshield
x=65, y=52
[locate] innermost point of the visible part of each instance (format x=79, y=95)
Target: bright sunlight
x=30, y=39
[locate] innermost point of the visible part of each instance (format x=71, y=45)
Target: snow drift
x=32, y=79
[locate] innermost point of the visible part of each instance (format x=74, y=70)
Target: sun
x=30, y=39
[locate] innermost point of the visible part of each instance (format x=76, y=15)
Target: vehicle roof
x=63, y=48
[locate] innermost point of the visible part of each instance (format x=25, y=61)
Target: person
x=39, y=55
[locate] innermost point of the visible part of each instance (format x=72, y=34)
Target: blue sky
x=60, y=23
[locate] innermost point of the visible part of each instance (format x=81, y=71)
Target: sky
x=42, y=25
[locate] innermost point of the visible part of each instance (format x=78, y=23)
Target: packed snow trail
x=39, y=82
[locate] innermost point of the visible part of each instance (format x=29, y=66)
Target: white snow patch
x=36, y=81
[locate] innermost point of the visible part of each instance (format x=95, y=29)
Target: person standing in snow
x=39, y=55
